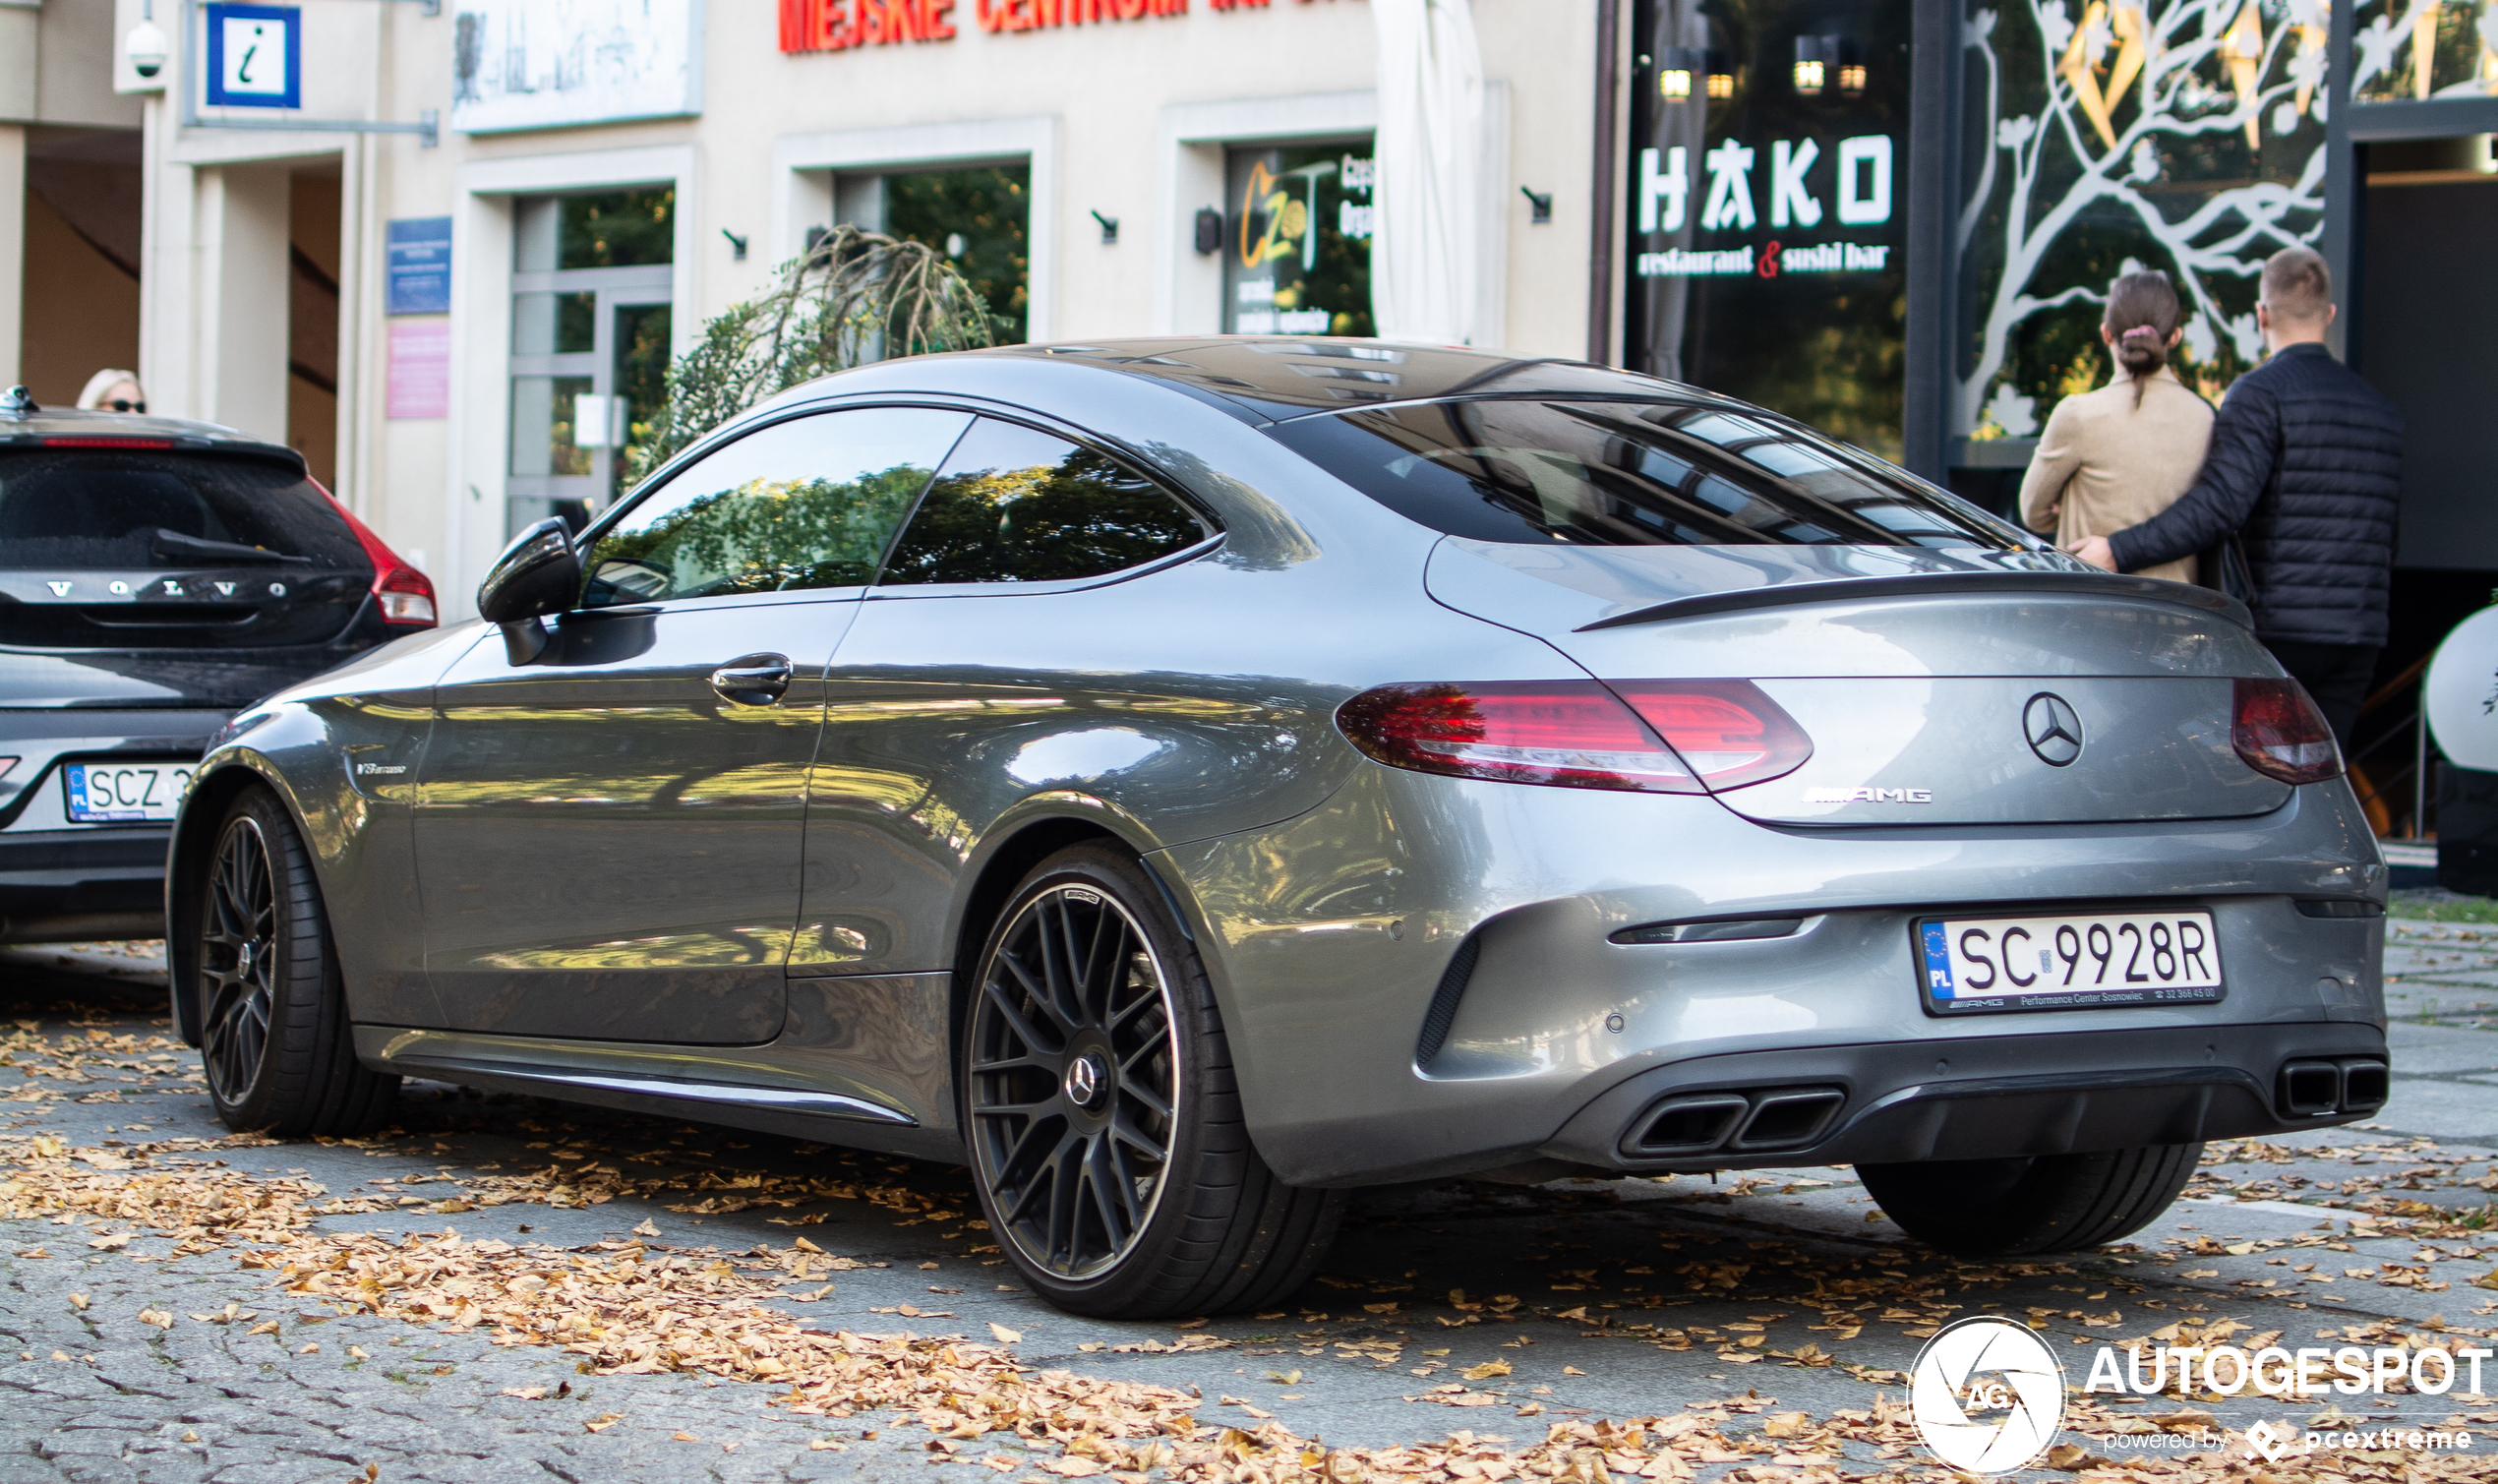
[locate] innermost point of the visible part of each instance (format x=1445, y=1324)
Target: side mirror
x=538, y=574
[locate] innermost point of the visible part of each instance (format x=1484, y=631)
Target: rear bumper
x=1418, y=979
x=1993, y=1098
x=71, y=885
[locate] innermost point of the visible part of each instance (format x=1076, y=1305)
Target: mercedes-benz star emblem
x=1083, y=1080
x=2053, y=731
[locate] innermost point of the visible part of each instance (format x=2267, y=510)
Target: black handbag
x=2223, y=567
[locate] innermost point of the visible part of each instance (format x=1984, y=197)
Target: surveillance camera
x=146, y=47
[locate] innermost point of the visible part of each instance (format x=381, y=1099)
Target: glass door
x=590, y=332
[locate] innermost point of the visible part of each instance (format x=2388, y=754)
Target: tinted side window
x=1629, y=474
x=1016, y=505
x=807, y=503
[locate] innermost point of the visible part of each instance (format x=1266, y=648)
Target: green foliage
x=2435, y=904
x=1078, y=518
x=985, y=209
x=853, y=298
x=762, y=536
x=617, y=229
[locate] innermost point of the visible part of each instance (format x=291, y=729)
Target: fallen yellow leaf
x=1004, y=1336
x=1486, y=1371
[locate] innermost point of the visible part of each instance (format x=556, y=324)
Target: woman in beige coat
x=2120, y=455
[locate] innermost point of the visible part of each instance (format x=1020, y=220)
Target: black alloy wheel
x=1075, y=1073
x=1107, y=1135
x=275, y=1039
x=238, y=951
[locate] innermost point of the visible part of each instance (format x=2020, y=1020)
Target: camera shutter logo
x=1988, y=1396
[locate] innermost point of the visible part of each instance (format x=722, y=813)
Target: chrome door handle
x=753, y=679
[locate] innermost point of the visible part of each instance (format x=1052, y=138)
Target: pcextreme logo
x=1988, y=1396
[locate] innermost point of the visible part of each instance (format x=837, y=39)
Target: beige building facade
x=1102, y=168
x=69, y=220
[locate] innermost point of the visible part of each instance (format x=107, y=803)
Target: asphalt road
x=123, y=1357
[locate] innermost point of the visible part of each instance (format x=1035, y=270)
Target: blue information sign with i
x=255, y=56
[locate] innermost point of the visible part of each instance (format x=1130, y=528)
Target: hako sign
x=1768, y=179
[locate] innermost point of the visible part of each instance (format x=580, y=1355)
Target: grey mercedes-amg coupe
x=1187, y=780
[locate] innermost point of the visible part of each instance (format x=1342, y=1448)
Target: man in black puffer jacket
x=2306, y=466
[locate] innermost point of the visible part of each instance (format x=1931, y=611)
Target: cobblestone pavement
x=1496, y=1309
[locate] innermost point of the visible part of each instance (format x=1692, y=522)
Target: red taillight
x=107, y=443
x=1727, y=731
x=2279, y=733
x=1571, y=733
x=1582, y=735
x=404, y=595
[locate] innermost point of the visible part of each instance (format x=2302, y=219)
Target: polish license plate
x=1974, y=964
x=124, y=792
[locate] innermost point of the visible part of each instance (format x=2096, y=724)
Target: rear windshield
x=83, y=508
x=1629, y=474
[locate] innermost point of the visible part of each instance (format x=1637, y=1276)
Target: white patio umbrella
x=1426, y=245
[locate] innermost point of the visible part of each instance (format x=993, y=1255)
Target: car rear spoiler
x=1938, y=584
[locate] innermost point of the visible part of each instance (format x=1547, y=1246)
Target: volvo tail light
x=2279, y=731
x=1728, y=731
x=1567, y=734
x=404, y=595
x=1654, y=737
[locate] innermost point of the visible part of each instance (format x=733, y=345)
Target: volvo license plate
x=1974, y=964
x=124, y=792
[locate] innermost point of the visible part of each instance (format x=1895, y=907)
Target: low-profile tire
x=280, y=1052
x=1104, y=1123
x=2020, y=1208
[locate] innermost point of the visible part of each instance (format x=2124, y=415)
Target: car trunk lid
x=1937, y=687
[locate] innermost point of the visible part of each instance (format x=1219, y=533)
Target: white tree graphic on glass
x=2137, y=113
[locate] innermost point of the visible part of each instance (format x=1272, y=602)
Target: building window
x=979, y=218
x=591, y=323
x=1767, y=228
x=1296, y=240
x=2417, y=49
x=2182, y=134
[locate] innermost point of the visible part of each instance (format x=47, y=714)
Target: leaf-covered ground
x=594, y=1295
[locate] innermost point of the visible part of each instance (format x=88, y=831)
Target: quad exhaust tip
x=1745, y=1120
x=2320, y=1089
